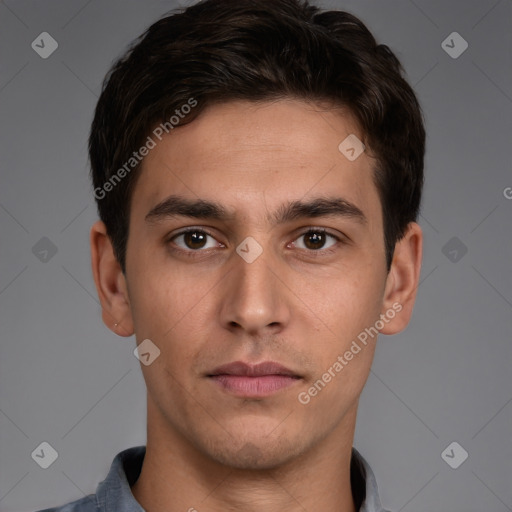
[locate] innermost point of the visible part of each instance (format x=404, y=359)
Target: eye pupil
x=198, y=239
x=194, y=239
x=314, y=240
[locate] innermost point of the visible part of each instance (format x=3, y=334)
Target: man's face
x=301, y=302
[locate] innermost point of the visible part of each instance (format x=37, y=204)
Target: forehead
x=264, y=154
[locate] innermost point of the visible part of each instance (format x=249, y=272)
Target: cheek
x=346, y=302
x=344, y=353
x=345, y=344
x=163, y=301
x=328, y=398
x=174, y=312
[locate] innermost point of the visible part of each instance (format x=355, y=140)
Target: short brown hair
x=221, y=50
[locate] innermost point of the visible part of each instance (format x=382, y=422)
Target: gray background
x=67, y=380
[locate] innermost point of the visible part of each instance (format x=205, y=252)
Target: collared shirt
x=114, y=494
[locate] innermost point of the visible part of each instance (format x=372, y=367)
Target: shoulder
x=85, y=504
x=113, y=494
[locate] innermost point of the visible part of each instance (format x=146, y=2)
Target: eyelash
x=315, y=253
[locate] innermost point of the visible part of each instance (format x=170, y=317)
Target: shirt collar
x=114, y=493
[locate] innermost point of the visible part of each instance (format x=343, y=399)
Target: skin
x=299, y=306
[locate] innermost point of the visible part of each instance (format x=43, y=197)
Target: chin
x=255, y=452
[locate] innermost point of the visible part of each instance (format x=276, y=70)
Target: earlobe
x=402, y=281
x=110, y=283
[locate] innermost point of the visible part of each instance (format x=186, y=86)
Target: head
x=228, y=118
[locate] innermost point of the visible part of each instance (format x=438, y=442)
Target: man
x=258, y=167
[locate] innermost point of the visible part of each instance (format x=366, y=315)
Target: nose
x=255, y=299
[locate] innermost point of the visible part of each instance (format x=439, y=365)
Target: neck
x=177, y=477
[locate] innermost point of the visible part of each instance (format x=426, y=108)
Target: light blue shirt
x=114, y=494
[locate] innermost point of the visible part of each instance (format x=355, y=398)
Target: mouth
x=260, y=380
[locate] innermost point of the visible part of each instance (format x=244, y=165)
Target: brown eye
x=315, y=240
x=194, y=239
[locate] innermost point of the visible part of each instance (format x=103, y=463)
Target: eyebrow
x=177, y=206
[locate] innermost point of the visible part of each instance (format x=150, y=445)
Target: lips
x=247, y=370
x=253, y=381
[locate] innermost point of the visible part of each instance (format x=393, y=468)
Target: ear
x=110, y=283
x=402, y=281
